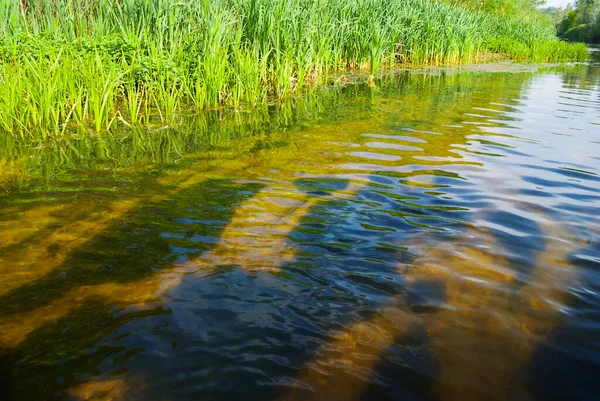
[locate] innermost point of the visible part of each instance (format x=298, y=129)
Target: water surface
x=435, y=238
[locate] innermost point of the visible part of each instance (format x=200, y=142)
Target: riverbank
x=37, y=163
x=69, y=67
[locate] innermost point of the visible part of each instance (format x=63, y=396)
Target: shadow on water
x=566, y=365
x=133, y=247
x=424, y=332
x=129, y=254
x=107, y=231
x=423, y=337
x=350, y=260
x=326, y=235
x=370, y=344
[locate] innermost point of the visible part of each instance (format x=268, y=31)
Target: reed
x=84, y=65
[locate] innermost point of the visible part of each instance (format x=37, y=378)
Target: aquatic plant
x=83, y=66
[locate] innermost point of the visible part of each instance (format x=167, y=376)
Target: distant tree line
x=578, y=23
x=581, y=23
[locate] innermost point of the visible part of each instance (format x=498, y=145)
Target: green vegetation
x=582, y=24
x=432, y=100
x=80, y=66
x=508, y=8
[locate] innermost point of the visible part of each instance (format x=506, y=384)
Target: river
x=436, y=237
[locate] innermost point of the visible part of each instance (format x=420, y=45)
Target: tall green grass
x=85, y=65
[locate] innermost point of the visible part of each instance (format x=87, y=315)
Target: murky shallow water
x=435, y=239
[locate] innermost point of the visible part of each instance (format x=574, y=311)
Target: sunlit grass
x=87, y=65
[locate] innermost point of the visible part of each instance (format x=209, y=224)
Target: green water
x=434, y=238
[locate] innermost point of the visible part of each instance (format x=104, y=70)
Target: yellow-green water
x=435, y=238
